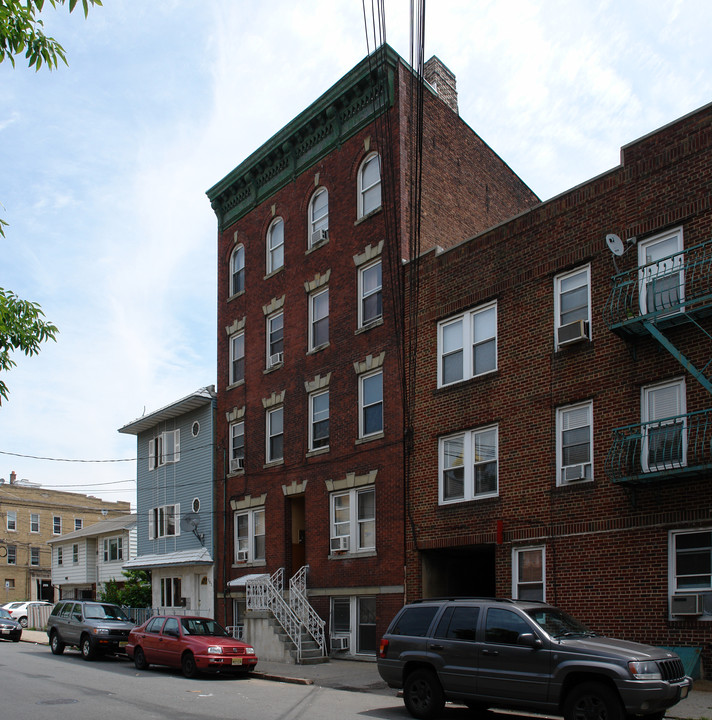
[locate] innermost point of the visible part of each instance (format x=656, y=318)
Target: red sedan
x=194, y=644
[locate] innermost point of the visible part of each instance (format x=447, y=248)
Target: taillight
x=383, y=648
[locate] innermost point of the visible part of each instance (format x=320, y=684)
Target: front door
x=298, y=534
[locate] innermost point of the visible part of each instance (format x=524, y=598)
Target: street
x=34, y=685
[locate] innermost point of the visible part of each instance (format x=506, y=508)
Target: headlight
x=647, y=670
x=249, y=651
x=215, y=650
x=101, y=631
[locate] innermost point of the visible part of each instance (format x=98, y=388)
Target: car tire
x=423, y=695
x=140, y=659
x=188, y=665
x=55, y=644
x=86, y=648
x=23, y=621
x=593, y=701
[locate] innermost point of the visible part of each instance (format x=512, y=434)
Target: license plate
x=683, y=693
x=123, y=643
x=5, y=632
x=237, y=661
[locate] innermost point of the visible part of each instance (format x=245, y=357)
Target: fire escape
x=657, y=300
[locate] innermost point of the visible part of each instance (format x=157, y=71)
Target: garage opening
x=461, y=571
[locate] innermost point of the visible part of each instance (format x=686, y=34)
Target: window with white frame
x=572, y=306
x=237, y=358
x=469, y=465
x=56, y=525
x=237, y=270
x=113, y=549
x=355, y=618
x=164, y=449
x=171, y=592
x=250, y=535
x=78, y=523
x=319, y=420
x=34, y=557
x=690, y=563
x=369, y=185
x=574, y=443
x=661, y=274
x=467, y=345
x=319, y=217
x=353, y=520
x=163, y=521
x=59, y=555
x=370, y=293
x=275, y=435
x=275, y=339
x=11, y=520
x=34, y=522
x=664, y=445
x=319, y=319
x=370, y=402
x=12, y=555
x=528, y=573
x=75, y=553
x=275, y=246
x=237, y=446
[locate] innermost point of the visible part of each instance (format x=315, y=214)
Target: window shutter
x=151, y=454
x=176, y=446
x=176, y=510
x=106, y=550
x=151, y=524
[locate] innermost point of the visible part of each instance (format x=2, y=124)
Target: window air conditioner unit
x=686, y=605
x=340, y=643
x=340, y=543
x=276, y=359
x=237, y=464
x=185, y=602
x=242, y=555
x=319, y=236
x=571, y=473
x=572, y=332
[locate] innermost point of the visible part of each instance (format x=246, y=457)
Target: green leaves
x=22, y=32
x=22, y=328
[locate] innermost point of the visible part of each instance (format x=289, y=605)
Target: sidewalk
x=358, y=676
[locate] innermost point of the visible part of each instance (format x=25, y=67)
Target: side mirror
x=529, y=640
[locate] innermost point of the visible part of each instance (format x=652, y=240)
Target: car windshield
x=4, y=614
x=557, y=623
x=97, y=611
x=202, y=626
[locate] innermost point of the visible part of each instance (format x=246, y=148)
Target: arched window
x=369, y=185
x=237, y=270
x=275, y=245
x=319, y=217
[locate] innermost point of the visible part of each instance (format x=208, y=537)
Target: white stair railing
x=266, y=593
x=303, y=610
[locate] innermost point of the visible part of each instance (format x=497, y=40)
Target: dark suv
x=525, y=655
x=92, y=626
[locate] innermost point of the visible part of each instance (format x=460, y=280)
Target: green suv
x=526, y=655
x=92, y=626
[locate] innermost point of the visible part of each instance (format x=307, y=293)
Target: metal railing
x=663, y=290
x=670, y=447
x=303, y=610
x=236, y=631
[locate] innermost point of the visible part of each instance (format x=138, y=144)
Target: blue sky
x=105, y=165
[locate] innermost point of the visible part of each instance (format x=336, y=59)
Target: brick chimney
x=443, y=81
x=13, y=477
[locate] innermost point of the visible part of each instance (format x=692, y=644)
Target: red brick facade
x=467, y=189
x=608, y=541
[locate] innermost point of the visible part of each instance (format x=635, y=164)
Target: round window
x=196, y=429
x=196, y=505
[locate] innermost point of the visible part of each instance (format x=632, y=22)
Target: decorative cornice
x=370, y=363
x=296, y=488
x=238, y=325
x=318, y=281
x=361, y=96
x=273, y=399
x=351, y=480
x=368, y=254
x=237, y=413
x=248, y=502
x=274, y=305
x=318, y=383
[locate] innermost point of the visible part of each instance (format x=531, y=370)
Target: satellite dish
x=189, y=523
x=615, y=244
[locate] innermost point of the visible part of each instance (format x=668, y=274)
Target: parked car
x=193, y=644
x=20, y=611
x=509, y=654
x=94, y=627
x=10, y=629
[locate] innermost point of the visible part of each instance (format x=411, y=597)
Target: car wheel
x=187, y=663
x=592, y=701
x=140, y=659
x=23, y=622
x=55, y=644
x=422, y=694
x=87, y=649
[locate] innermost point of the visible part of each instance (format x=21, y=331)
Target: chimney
x=13, y=477
x=442, y=80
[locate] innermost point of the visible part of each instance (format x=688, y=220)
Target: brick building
x=313, y=229
x=30, y=515
x=562, y=426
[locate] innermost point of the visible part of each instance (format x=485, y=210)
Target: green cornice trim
x=362, y=95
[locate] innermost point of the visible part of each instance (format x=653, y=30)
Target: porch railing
x=303, y=610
